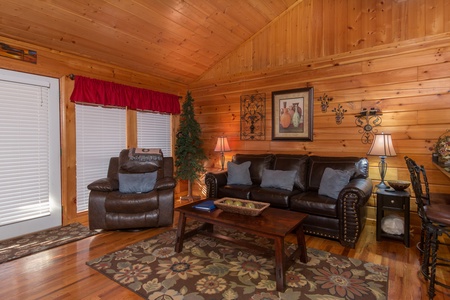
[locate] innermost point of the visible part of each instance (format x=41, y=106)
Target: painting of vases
x=291, y=117
x=292, y=114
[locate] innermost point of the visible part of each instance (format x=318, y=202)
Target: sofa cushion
x=259, y=162
x=298, y=163
x=333, y=181
x=276, y=197
x=278, y=179
x=239, y=173
x=318, y=164
x=314, y=204
x=137, y=183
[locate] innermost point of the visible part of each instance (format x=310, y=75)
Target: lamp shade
x=382, y=146
x=222, y=145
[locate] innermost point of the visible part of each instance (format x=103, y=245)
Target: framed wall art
x=292, y=114
x=253, y=117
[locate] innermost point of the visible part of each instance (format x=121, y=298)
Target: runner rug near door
x=35, y=242
x=208, y=268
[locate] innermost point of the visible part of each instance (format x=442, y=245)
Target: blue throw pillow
x=333, y=181
x=278, y=179
x=137, y=182
x=239, y=174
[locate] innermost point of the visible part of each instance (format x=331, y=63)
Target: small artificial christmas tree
x=188, y=148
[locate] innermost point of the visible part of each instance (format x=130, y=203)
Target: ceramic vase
x=296, y=116
x=285, y=119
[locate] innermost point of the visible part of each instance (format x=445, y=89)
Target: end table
x=394, y=201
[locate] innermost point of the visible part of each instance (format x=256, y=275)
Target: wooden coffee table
x=272, y=223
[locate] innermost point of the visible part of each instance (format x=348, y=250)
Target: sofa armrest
x=104, y=185
x=214, y=180
x=165, y=183
x=361, y=187
x=351, y=210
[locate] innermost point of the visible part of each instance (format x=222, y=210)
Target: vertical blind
x=100, y=135
x=154, y=131
x=29, y=168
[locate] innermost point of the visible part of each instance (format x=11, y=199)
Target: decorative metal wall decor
x=339, y=111
x=253, y=116
x=324, y=102
x=368, y=119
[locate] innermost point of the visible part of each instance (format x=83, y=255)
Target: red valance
x=106, y=93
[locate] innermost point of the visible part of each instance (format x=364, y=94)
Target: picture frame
x=292, y=114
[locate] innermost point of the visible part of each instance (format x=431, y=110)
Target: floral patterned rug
x=208, y=268
x=35, y=242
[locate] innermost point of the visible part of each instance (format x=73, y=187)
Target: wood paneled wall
x=392, y=55
x=59, y=65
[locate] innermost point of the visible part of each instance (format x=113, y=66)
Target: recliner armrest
x=165, y=183
x=104, y=185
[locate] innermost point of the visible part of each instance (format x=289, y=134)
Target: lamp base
x=382, y=185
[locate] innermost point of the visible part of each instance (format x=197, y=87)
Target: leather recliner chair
x=113, y=204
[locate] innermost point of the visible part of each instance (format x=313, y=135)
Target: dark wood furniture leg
x=280, y=263
x=301, y=244
x=180, y=233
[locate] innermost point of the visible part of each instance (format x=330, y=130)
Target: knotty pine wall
x=392, y=55
x=57, y=64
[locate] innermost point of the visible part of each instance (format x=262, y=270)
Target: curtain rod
x=72, y=77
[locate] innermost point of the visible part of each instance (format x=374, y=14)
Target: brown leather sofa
x=342, y=218
x=111, y=209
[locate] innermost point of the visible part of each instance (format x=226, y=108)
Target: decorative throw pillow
x=239, y=174
x=333, y=181
x=137, y=182
x=278, y=179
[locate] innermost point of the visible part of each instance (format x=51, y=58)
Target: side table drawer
x=392, y=202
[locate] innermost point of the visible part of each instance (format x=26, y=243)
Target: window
x=154, y=131
x=29, y=153
x=100, y=135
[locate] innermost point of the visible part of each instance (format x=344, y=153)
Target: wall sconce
x=222, y=146
x=339, y=114
x=382, y=146
x=324, y=101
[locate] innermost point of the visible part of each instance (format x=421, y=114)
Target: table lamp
x=222, y=146
x=382, y=147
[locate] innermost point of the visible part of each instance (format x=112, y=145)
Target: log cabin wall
x=58, y=65
x=391, y=55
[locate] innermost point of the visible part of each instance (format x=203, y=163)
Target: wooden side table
x=394, y=201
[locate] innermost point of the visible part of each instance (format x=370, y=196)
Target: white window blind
x=100, y=135
x=29, y=153
x=154, y=131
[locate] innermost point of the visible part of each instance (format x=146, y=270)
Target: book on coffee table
x=207, y=205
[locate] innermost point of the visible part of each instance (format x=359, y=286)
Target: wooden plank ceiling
x=175, y=39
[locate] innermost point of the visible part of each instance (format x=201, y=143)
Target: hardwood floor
x=61, y=273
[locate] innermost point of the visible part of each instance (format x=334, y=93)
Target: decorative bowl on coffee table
x=240, y=206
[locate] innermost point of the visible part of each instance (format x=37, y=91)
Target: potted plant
x=188, y=148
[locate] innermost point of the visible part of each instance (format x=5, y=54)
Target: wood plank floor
x=61, y=273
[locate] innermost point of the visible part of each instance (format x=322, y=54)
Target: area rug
x=208, y=268
x=35, y=242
